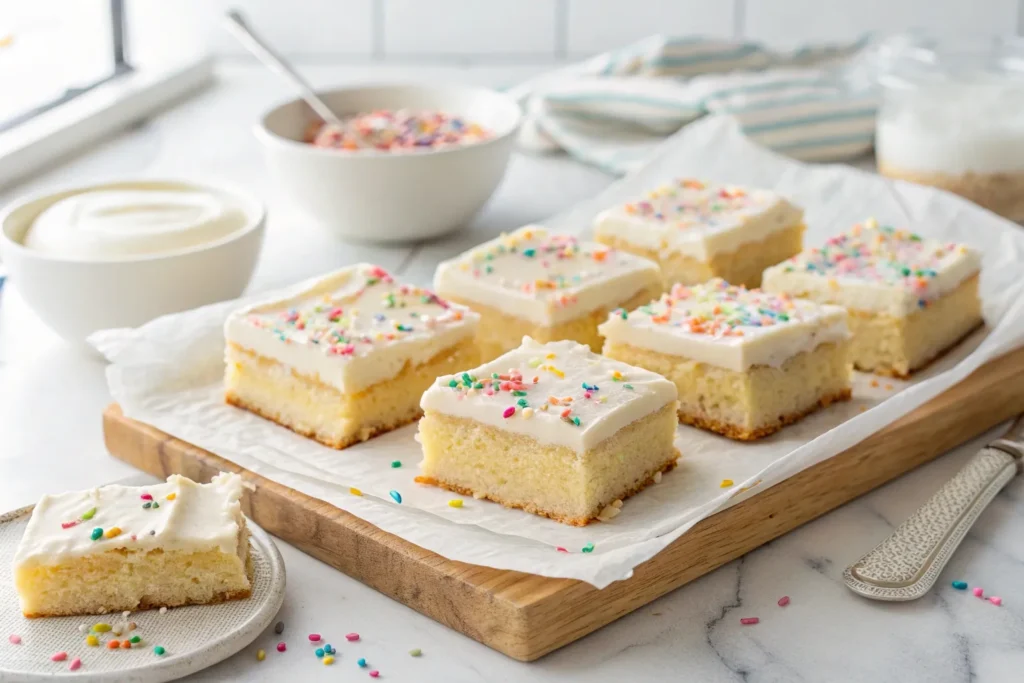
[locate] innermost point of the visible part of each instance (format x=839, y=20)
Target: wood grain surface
x=526, y=616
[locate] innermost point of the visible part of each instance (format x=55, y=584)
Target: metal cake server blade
x=906, y=565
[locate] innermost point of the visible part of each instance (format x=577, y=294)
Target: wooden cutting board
x=527, y=616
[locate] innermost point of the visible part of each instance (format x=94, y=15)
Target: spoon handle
x=262, y=51
x=906, y=565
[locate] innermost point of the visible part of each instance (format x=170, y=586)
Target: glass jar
x=952, y=116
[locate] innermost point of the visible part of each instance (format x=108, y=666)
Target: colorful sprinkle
x=415, y=652
x=361, y=662
x=726, y=483
x=14, y=640
x=396, y=463
x=328, y=660
x=147, y=496
x=400, y=131
x=455, y=503
x=91, y=640
x=978, y=592
x=88, y=514
x=59, y=656
x=279, y=627
x=112, y=532
x=261, y=655
x=281, y=647
x=135, y=640
x=75, y=664
x=96, y=534
x=172, y=496
x=374, y=674
x=509, y=412
x=163, y=610
x=314, y=637
x=561, y=549
x=351, y=637
x=960, y=585
x=783, y=601
x=355, y=492
x=396, y=496
x=126, y=644
x=748, y=621
x=588, y=548
x=319, y=652
x=101, y=627
x=160, y=651
x=113, y=644
x=997, y=601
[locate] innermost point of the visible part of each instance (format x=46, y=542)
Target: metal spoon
x=239, y=28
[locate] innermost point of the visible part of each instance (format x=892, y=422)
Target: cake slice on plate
x=545, y=286
x=745, y=363
x=347, y=357
x=551, y=428
x=909, y=298
x=696, y=231
x=120, y=548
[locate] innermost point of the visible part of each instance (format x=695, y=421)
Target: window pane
x=51, y=48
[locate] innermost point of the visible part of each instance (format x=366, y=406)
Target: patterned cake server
x=906, y=565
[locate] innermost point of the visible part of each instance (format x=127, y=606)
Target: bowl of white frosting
x=119, y=254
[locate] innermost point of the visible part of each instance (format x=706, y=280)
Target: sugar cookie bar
x=347, y=357
x=551, y=428
x=909, y=298
x=745, y=363
x=120, y=548
x=548, y=287
x=696, y=231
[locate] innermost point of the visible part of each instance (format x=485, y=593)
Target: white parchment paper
x=168, y=374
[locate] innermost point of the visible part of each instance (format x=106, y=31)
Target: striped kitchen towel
x=612, y=111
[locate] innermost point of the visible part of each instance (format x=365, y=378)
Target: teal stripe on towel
x=867, y=114
x=833, y=141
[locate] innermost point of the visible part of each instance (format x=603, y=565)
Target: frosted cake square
x=548, y=287
x=346, y=358
x=119, y=548
x=551, y=428
x=745, y=363
x=909, y=298
x=696, y=231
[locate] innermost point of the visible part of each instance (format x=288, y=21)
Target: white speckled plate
x=194, y=637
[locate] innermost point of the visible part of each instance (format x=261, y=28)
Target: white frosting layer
x=201, y=517
x=109, y=223
x=615, y=395
x=876, y=270
x=729, y=327
x=352, y=328
x=544, y=278
x=954, y=128
x=697, y=219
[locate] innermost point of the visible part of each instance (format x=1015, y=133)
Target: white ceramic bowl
x=378, y=196
x=77, y=298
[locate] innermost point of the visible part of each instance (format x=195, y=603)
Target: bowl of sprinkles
x=411, y=163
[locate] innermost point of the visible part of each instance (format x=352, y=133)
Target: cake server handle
x=906, y=565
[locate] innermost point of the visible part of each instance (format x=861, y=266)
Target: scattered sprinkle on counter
x=281, y=647
x=374, y=674
x=91, y=640
x=314, y=637
x=361, y=662
x=750, y=621
x=997, y=601
x=59, y=656
x=979, y=592
x=351, y=637
x=396, y=496
x=328, y=660
x=14, y=640
x=261, y=655
x=783, y=601
x=960, y=585
x=279, y=627
x=75, y=664
x=415, y=652
x=114, y=644
x=159, y=651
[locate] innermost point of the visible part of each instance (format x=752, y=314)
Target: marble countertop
x=51, y=397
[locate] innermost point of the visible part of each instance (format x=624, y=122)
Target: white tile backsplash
x=540, y=30
x=470, y=27
x=794, y=22
x=594, y=26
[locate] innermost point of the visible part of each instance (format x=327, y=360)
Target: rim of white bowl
x=268, y=136
x=254, y=210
